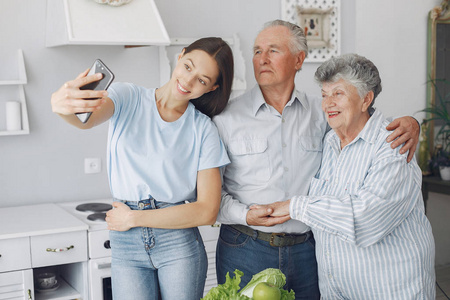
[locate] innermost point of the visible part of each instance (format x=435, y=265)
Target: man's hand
x=406, y=130
x=260, y=215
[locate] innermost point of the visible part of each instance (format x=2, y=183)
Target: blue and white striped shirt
x=373, y=240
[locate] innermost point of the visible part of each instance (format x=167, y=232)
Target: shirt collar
x=370, y=130
x=259, y=102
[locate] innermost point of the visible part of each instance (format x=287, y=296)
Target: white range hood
x=86, y=22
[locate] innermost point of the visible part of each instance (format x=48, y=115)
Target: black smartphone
x=100, y=85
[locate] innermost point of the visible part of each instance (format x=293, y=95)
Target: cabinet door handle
x=60, y=249
x=29, y=295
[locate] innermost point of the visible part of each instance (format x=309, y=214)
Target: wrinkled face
x=273, y=62
x=195, y=74
x=344, y=109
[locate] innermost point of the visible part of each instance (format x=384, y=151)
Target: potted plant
x=440, y=162
x=440, y=114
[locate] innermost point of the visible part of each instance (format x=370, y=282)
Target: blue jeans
x=153, y=263
x=236, y=250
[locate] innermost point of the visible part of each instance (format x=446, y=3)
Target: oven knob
x=107, y=244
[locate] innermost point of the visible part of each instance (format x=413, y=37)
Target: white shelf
x=63, y=292
x=19, y=82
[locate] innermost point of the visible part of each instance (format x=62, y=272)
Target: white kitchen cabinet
x=210, y=234
x=17, y=285
x=57, y=249
x=75, y=22
x=15, y=254
x=11, y=89
x=42, y=238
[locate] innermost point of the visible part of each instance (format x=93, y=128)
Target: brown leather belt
x=276, y=239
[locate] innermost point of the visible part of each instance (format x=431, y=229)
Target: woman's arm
x=202, y=212
x=69, y=99
x=387, y=196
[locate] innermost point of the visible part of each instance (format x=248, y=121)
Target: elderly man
x=273, y=135
x=365, y=207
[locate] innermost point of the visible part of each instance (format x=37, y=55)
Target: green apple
x=266, y=291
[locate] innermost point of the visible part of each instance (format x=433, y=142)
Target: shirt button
x=283, y=120
x=330, y=276
x=284, y=145
x=286, y=169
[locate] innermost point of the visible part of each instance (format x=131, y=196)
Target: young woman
x=164, y=155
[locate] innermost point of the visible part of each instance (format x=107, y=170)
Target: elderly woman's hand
x=268, y=215
x=406, y=130
x=120, y=217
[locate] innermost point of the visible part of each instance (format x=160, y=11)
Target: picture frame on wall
x=316, y=25
x=320, y=21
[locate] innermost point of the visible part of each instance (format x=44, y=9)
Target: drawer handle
x=60, y=249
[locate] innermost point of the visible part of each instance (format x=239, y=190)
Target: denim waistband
x=146, y=204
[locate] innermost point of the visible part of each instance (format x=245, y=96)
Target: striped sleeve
x=386, y=197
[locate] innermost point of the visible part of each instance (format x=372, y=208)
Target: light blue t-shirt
x=149, y=157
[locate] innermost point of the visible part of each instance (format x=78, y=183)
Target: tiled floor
x=443, y=279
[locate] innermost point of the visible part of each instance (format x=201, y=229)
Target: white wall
x=393, y=35
x=47, y=164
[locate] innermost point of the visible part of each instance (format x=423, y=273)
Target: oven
x=93, y=213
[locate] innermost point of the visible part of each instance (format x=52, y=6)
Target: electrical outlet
x=92, y=165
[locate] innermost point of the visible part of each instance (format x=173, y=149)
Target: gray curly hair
x=353, y=68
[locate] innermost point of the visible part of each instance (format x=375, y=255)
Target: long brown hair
x=214, y=102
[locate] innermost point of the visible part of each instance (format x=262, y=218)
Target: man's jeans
x=236, y=250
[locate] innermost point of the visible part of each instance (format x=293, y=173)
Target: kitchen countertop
x=40, y=219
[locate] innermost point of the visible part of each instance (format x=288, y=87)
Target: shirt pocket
x=318, y=187
x=311, y=143
x=353, y=187
x=250, y=165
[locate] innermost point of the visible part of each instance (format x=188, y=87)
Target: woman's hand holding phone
x=69, y=99
x=84, y=94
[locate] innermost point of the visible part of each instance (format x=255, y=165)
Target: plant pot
x=445, y=172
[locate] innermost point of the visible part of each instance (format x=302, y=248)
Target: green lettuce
x=270, y=275
x=228, y=290
x=285, y=295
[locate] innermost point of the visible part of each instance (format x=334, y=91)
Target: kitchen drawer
x=15, y=254
x=56, y=249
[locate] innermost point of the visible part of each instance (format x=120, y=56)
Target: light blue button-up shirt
x=373, y=240
x=273, y=156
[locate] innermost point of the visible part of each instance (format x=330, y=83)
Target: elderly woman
x=365, y=208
